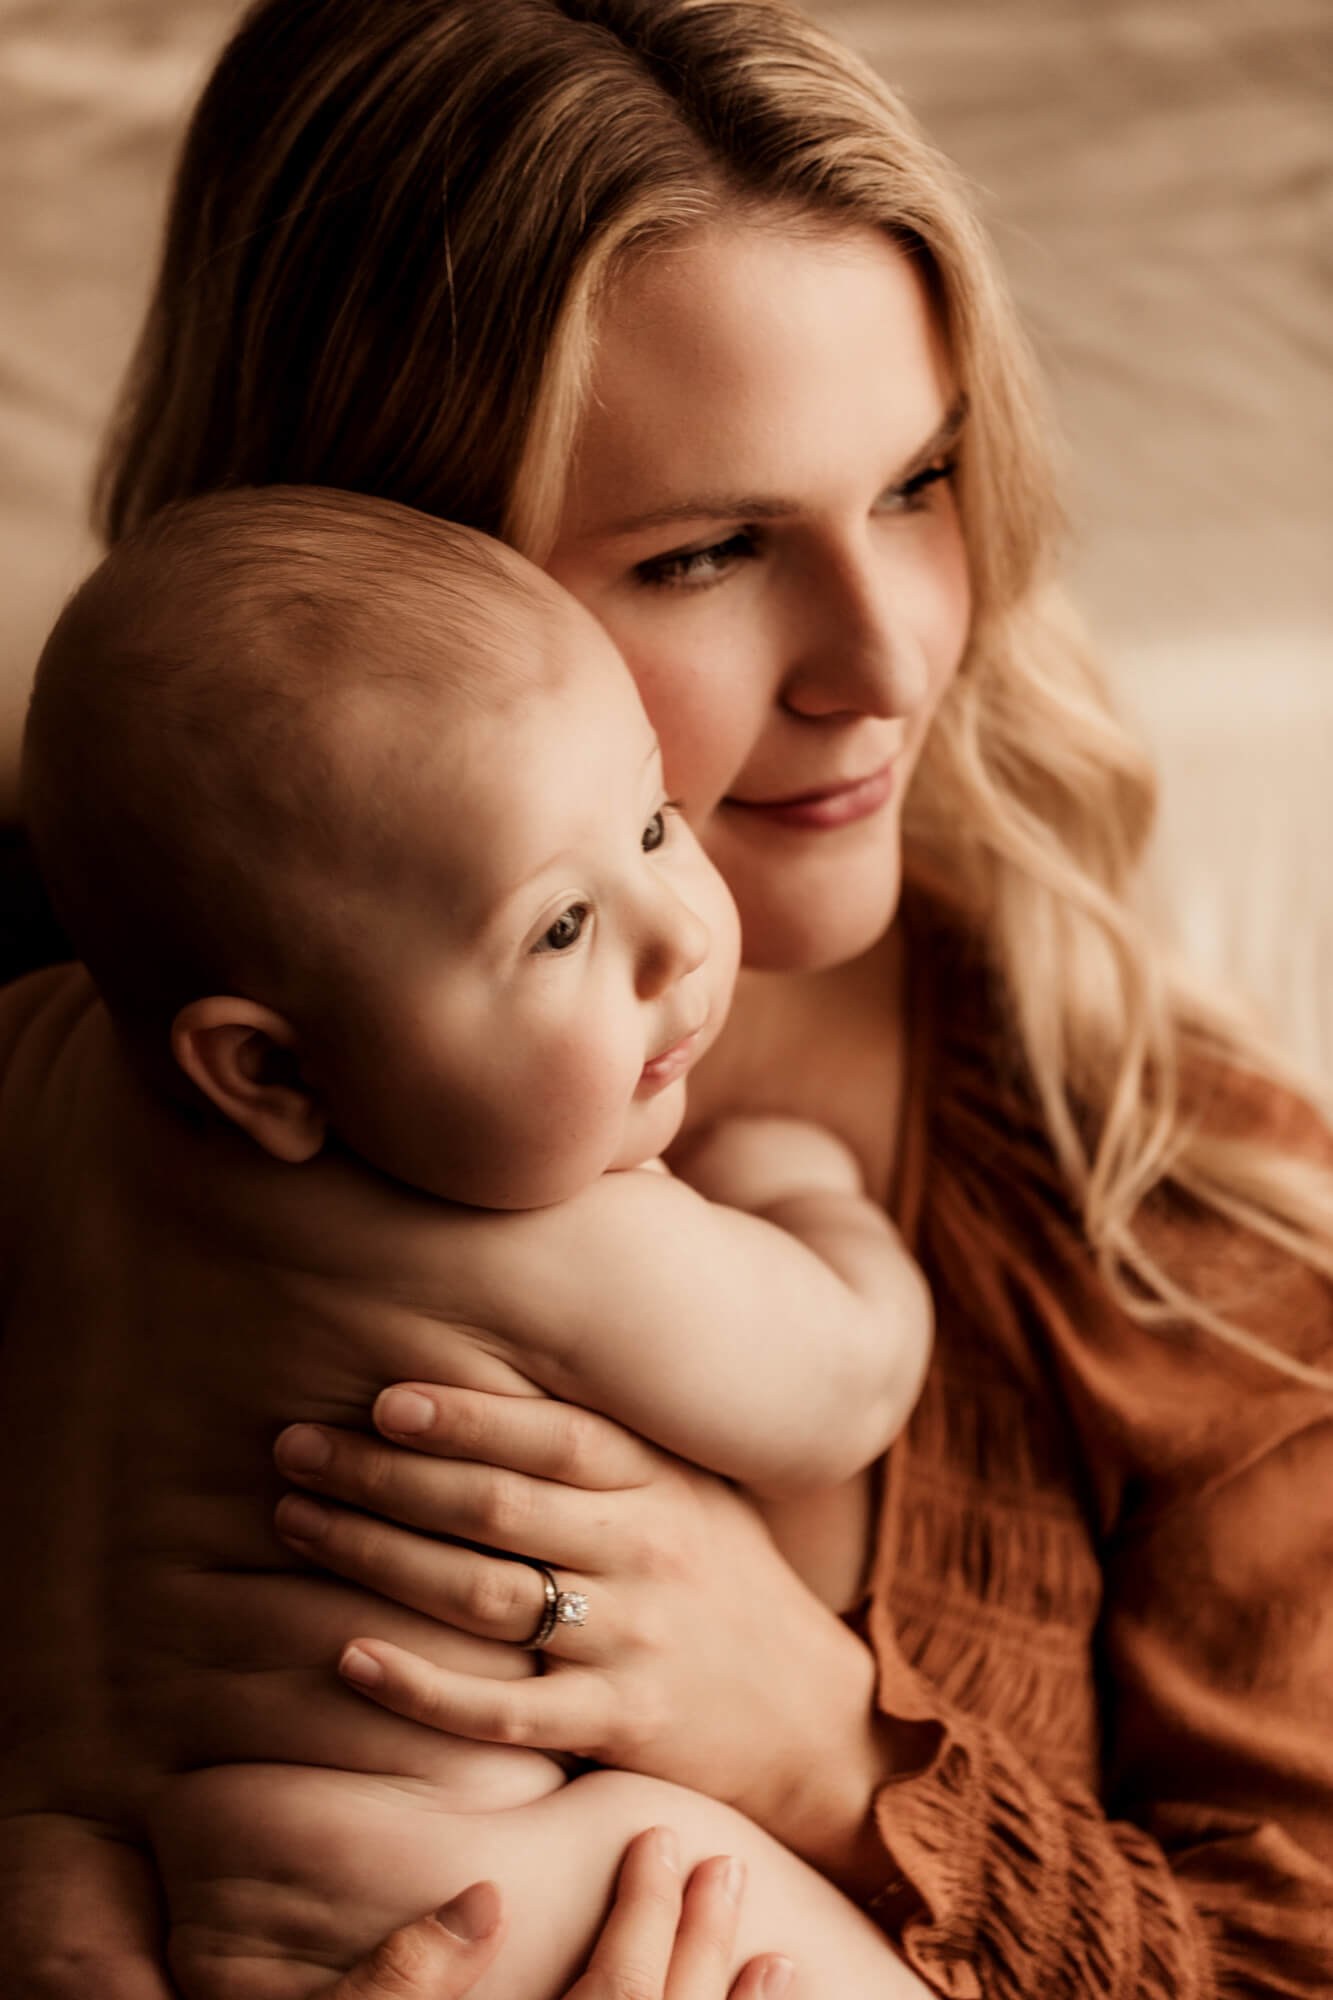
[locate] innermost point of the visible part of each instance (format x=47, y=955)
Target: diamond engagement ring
x=559, y=1607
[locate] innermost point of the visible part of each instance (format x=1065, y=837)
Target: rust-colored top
x=1105, y=1572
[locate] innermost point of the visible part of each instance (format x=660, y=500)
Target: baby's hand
x=756, y=1162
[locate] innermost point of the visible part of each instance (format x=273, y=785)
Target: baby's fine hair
x=219, y=715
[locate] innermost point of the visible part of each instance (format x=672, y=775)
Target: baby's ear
x=246, y=1059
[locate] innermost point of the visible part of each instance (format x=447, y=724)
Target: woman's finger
x=706, y=1936
x=561, y=1711
x=659, y=1942
x=532, y=1434
x=633, y=1954
x=488, y=1504
x=455, y=1585
x=439, y=1957
x=766, y=1978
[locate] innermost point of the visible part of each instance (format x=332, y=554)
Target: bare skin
x=665, y=1937
x=679, y=1535
x=325, y=1823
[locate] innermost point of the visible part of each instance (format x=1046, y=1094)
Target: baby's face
x=553, y=953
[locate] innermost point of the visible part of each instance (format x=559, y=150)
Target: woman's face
x=761, y=514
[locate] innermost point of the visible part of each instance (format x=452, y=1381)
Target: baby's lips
x=673, y=1061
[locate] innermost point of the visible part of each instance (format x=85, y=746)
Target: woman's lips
x=834, y=805
x=672, y=1063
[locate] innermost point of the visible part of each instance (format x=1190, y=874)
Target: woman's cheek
x=953, y=596
x=706, y=733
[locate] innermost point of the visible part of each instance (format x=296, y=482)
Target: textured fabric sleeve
x=1205, y=1868
x=1202, y=1866
x=1002, y=1885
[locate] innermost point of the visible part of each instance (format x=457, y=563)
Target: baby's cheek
x=566, y=1116
x=650, y=1127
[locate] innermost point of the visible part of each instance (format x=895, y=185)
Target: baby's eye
x=566, y=930
x=655, y=833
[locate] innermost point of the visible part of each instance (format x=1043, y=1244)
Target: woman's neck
x=828, y=1046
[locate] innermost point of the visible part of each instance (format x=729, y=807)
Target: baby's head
x=359, y=816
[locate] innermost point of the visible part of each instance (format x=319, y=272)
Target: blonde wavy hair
x=391, y=232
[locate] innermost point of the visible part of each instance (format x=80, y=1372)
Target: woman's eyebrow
x=703, y=507
x=942, y=440
x=748, y=507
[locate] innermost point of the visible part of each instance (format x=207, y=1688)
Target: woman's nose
x=674, y=943
x=857, y=654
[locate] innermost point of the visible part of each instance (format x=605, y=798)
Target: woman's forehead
x=732, y=361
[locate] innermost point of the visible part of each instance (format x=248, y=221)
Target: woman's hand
x=440, y=1957
x=661, y=1941
x=671, y=1941
x=755, y=1695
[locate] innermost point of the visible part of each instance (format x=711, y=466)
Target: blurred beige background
x=1160, y=181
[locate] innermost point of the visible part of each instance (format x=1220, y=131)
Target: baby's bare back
x=200, y=1298
x=203, y=1296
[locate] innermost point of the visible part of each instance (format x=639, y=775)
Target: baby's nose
x=675, y=945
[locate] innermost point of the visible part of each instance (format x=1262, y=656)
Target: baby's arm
x=782, y=1347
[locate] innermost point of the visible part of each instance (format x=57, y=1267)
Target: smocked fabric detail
x=1112, y=1803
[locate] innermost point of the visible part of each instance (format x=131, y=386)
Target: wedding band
x=559, y=1607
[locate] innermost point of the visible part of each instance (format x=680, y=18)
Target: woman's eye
x=687, y=569
x=910, y=496
x=566, y=930
x=655, y=831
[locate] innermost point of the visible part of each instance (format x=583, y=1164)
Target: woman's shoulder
x=1266, y=1141
x=982, y=1128
x=1259, y=1254
x=1162, y=1404
x=1246, y=1103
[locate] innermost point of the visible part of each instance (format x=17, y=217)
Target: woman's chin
x=813, y=935
x=809, y=903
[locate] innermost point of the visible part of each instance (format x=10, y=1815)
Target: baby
x=359, y=826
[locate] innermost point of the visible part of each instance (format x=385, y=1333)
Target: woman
x=673, y=295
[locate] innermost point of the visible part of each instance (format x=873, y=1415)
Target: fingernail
x=404, y=1411
x=303, y=1449
x=302, y=1520
x=668, y=1849
x=733, y=1880
x=473, y=1914
x=777, y=1979
x=361, y=1667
